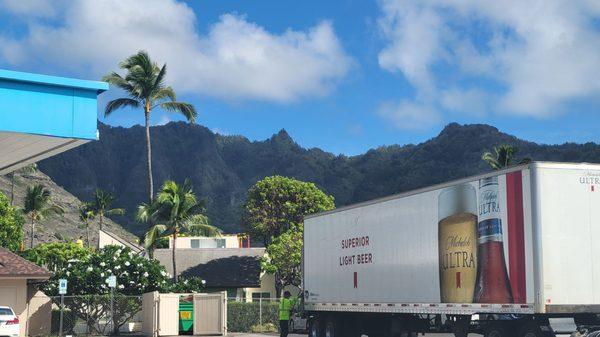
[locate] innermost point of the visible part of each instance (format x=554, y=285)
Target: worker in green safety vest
x=285, y=308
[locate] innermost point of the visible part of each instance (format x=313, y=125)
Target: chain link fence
x=259, y=315
x=96, y=315
x=91, y=315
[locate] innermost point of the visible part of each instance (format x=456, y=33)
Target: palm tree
x=29, y=169
x=199, y=225
x=100, y=206
x=37, y=206
x=144, y=84
x=171, y=211
x=503, y=156
x=86, y=214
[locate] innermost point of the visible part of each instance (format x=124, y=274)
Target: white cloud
x=474, y=102
x=34, y=8
x=235, y=59
x=541, y=54
x=407, y=115
x=164, y=120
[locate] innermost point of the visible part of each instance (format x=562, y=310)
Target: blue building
x=41, y=116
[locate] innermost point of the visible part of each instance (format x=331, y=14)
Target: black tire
x=534, y=329
x=314, y=328
x=496, y=331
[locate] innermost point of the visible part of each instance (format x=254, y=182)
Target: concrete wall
x=13, y=293
x=40, y=313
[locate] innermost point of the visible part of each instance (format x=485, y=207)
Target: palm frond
x=115, y=211
x=118, y=103
x=118, y=81
x=185, y=109
x=160, y=77
x=199, y=225
x=491, y=159
x=51, y=210
x=153, y=234
x=164, y=93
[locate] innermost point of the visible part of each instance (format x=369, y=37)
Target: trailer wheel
x=495, y=330
x=533, y=329
x=314, y=328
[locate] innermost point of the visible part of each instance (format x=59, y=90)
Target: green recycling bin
x=186, y=317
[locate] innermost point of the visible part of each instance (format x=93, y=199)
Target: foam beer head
x=457, y=223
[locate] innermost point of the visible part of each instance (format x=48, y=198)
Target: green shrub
x=242, y=316
x=267, y=327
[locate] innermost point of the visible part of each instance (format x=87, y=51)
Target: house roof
x=219, y=267
x=134, y=247
x=12, y=265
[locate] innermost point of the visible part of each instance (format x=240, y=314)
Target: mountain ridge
x=223, y=167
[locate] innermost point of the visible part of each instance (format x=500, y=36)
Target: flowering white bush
x=135, y=274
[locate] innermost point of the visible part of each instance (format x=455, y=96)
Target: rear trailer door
x=569, y=225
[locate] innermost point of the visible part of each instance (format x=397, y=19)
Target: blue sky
x=342, y=75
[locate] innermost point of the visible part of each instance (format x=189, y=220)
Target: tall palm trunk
x=12, y=188
x=149, y=151
x=87, y=233
x=32, y=230
x=175, y=232
x=101, y=220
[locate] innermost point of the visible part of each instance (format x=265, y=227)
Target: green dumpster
x=186, y=317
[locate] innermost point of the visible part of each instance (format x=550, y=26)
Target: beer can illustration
x=457, y=235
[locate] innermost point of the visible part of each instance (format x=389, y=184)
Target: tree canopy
x=503, y=156
x=283, y=259
x=171, y=211
x=11, y=225
x=277, y=204
x=56, y=255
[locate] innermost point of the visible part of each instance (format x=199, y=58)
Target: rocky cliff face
x=67, y=227
x=222, y=168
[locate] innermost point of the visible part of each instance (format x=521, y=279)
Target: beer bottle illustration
x=457, y=222
x=492, y=284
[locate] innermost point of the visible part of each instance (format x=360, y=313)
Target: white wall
x=231, y=241
x=106, y=240
x=267, y=284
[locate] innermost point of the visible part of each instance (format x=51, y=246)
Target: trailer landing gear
x=314, y=328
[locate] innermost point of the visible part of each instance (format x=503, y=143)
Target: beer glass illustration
x=457, y=223
x=492, y=285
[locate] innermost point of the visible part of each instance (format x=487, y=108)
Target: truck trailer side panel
x=515, y=241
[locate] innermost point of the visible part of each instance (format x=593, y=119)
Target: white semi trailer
x=500, y=254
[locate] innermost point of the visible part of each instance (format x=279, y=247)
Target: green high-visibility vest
x=285, y=307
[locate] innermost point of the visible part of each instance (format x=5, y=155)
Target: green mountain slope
x=223, y=167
